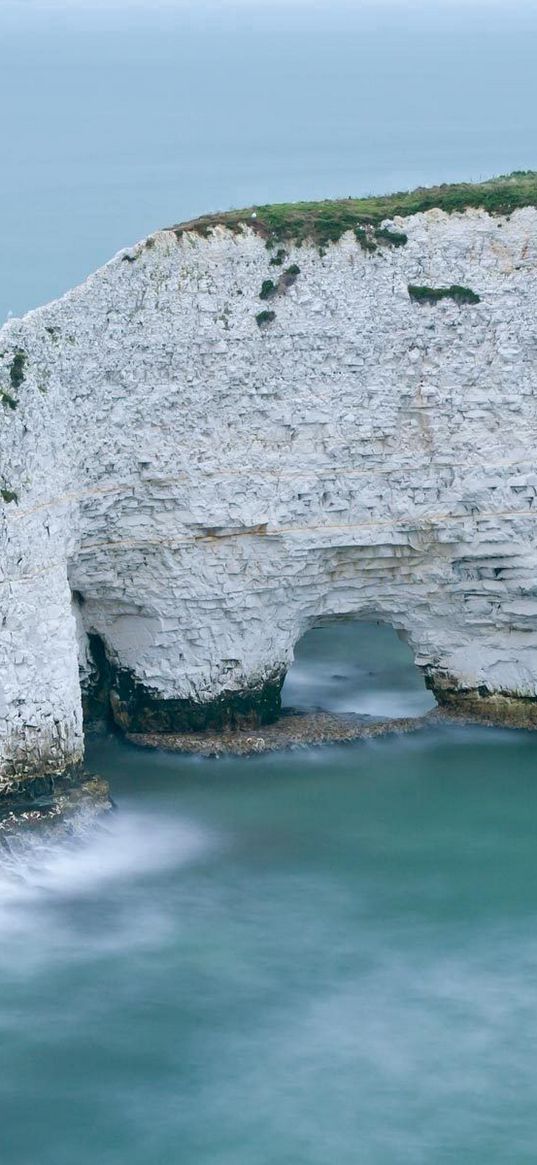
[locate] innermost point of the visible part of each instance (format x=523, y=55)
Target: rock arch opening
x=350, y=665
x=209, y=498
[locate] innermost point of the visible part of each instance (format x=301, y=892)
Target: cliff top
x=325, y=222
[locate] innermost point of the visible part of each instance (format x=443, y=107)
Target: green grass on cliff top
x=325, y=222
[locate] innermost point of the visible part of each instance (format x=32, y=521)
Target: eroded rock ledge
x=311, y=729
x=484, y=706
x=243, y=427
x=294, y=730
x=52, y=802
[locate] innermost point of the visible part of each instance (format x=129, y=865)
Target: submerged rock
x=293, y=730
x=310, y=729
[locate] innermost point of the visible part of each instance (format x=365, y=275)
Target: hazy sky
x=272, y=10
x=430, y=6
x=120, y=116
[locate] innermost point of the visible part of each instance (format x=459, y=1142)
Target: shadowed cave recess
x=344, y=666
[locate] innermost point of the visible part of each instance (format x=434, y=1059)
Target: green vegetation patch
x=393, y=238
x=265, y=317
x=268, y=289
x=200, y=226
x=293, y=270
x=8, y=400
x=16, y=371
x=279, y=258
x=435, y=294
x=8, y=495
x=365, y=238
x=326, y=222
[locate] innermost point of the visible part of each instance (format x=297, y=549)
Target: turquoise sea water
x=322, y=955
x=319, y=956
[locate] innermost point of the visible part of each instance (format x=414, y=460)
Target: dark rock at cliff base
x=293, y=730
x=138, y=709
x=49, y=801
x=296, y=729
x=504, y=709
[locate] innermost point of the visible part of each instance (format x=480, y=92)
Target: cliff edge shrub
x=265, y=317
x=326, y=222
x=435, y=294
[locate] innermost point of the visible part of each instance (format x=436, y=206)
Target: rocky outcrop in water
x=212, y=446
x=68, y=802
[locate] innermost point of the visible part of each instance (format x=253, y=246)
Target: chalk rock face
x=187, y=488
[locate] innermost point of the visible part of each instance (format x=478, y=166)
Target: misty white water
x=322, y=955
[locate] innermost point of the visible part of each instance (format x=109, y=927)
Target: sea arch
x=191, y=479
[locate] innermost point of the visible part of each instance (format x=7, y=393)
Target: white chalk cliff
x=194, y=488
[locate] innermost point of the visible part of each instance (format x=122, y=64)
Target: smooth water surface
x=316, y=956
x=121, y=118
x=356, y=667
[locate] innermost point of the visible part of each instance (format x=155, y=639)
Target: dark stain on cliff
x=138, y=709
x=16, y=371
